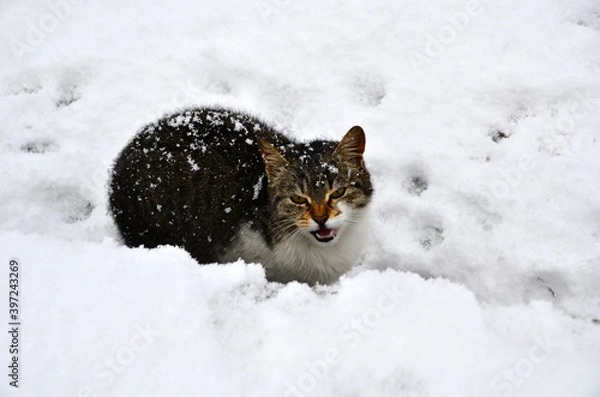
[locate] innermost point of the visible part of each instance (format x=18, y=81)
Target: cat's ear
x=274, y=161
x=352, y=145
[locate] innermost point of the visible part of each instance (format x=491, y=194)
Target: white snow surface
x=483, y=269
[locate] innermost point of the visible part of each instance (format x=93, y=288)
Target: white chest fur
x=304, y=258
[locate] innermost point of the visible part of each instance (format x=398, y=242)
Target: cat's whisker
x=282, y=229
x=282, y=224
x=350, y=221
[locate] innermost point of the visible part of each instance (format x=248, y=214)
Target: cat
x=225, y=185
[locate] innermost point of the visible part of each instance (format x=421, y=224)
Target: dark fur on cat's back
x=189, y=179
x=201, y=178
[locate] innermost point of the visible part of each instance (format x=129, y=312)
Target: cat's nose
x=320, y=219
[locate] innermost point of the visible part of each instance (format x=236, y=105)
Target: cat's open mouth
x=325, y=235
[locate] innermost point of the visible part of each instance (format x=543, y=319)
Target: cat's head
x=318, y=190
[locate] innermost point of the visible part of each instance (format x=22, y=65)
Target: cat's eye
x=297, y=199
x=338, y=193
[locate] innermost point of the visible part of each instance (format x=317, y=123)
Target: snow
x=482, y=273
x=257, y=188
